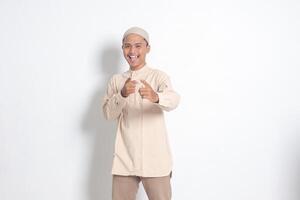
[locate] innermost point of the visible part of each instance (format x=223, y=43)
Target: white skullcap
x=138, y=31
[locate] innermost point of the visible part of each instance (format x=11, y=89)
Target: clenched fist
x=147, y=92
x=128, y=88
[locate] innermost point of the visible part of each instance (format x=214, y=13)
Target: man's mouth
x=133, y=58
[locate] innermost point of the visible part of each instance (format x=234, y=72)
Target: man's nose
x=132, y=49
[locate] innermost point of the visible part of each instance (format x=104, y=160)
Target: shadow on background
x=101, y=130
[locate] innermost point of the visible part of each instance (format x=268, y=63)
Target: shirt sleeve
x=168, y=98
x=113, y=101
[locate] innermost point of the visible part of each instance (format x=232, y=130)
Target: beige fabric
x=141, y=147
x=126, y=187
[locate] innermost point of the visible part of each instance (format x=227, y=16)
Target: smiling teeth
x=133, y=58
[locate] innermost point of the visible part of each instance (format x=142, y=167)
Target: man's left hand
x=148, y=93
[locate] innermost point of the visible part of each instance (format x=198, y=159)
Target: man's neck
x=137, y=68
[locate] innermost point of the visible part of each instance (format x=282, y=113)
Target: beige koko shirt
x=142, y=147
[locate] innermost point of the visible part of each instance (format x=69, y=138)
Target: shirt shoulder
x=159, y=74
x=115, y=78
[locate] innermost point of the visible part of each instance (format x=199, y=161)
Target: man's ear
x=148, y=48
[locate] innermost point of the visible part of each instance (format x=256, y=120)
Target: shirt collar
x=137, y=72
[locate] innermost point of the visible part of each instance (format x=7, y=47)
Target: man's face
x=135, y=49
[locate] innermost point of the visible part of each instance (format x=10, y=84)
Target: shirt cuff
x=160, y=99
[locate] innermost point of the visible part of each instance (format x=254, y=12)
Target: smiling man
x=137, y=99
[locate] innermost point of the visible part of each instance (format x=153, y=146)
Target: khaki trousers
x=126, y=187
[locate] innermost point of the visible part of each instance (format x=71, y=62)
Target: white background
x=235, y=135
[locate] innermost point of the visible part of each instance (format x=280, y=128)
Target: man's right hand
x=128, y=88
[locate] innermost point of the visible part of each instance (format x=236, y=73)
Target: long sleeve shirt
x=141, y=146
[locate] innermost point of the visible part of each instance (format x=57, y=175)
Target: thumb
x=129, y=79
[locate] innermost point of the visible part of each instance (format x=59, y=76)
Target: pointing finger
x=145, y=83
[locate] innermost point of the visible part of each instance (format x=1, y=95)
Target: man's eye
x=138, y=46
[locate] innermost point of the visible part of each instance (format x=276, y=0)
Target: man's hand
x=148, y=93
x=128, y=88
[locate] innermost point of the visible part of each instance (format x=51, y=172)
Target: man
x=137, y=99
